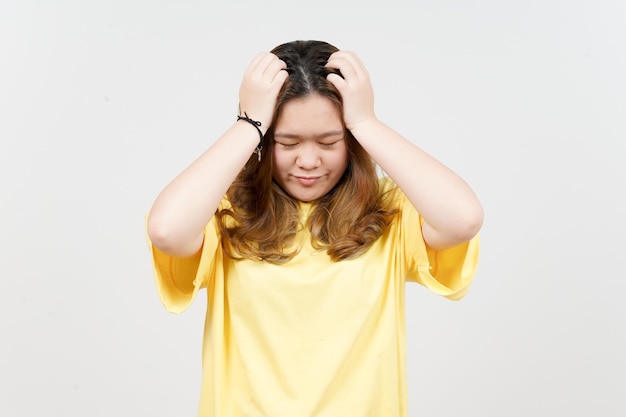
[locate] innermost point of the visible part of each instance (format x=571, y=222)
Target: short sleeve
x=448, y=272
x=178, y=279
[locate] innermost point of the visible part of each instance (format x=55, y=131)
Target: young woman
x=303, y=250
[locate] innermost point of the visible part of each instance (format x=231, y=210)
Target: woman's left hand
x=355, y=88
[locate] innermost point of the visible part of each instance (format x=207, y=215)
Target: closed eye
x=286, y=145
x=290, y=145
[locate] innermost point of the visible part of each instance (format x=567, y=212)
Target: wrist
x=257, y=125
x=363, y=125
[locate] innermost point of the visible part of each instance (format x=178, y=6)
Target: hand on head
x=259, y=89
x=355, y=88
x=266, y=74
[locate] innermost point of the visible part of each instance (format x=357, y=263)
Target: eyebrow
x=330, y=133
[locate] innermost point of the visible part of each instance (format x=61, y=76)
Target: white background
x=103, y=102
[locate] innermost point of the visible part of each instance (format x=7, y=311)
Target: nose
x=308, y=156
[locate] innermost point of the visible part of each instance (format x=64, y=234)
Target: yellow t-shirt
x=311, y=337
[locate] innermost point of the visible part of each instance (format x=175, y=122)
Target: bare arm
x=182, y=210
x=452, y=213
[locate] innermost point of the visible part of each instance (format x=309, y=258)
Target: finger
x=255, y=62
x=280, y=78
x=343, y=56
x=259, y=64
x=263, y=63
x=345, y=65
x=337, y=81
x=348, y=63
x=349, y=55
x=273, y=67
x=267, y=64
x=346, y=68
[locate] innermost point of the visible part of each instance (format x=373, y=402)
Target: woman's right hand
x=259, y=89
x=182, y=210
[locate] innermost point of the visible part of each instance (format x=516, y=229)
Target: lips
x=307, y=180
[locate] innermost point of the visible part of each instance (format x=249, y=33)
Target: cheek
x=279, y=162
x=340, y=159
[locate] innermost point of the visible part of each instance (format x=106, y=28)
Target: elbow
x=459, y=229
x=164, y=237
x=459, y=225
x=159, y=234
x=470, y=223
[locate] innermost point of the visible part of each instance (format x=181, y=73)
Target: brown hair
x=263, y=219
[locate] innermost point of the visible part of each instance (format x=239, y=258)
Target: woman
x=303, y=250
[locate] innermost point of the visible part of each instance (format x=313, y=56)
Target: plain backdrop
x=103, y=102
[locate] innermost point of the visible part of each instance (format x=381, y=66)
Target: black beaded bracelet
x=256, y=124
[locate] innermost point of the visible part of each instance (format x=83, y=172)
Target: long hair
x=262, y=220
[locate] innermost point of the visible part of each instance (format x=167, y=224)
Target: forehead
x=308, y=115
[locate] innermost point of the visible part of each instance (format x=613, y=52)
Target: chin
x=306, y=197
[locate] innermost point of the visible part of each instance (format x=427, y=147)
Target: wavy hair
x=262, y=220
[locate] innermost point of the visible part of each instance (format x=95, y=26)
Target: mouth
x=307, y=180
